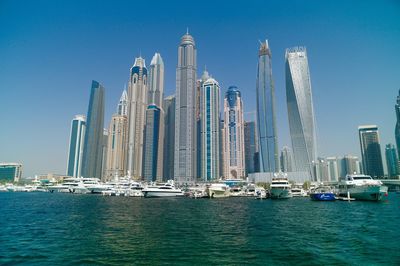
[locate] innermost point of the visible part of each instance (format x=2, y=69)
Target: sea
x=69, y=229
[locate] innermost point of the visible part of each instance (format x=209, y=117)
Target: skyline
x=57, y=71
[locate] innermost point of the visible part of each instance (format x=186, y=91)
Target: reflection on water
x=43, y=228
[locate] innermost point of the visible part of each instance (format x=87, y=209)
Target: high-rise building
x=104, y=147
x=392, y=161
x=332, y=165
x=76, y=143
x=156, y=81
x=286, y=160
x=117, y=141
x=351, y=165
x=321, y=169
x=233, y=130
x=10, y=172
x=300, y=110
x=222, y=143
x=153, y=144
x=266, y=124
x=137, y=104
x=250, y=147
x=185, y=123
x=397, y=128
x=93, y=145
x=371, y=151
x=169, y=137
x=210, y=127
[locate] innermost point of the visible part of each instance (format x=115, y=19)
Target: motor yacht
x=322, y=193
x=362, y=187
x=218, y=190
x=166, y=190
x=280, y=188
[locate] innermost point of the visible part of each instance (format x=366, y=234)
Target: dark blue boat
x=322, y=194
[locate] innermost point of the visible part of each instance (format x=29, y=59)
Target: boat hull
x=280, y=193
x=162, y=194
x=218, y=193
x=322, y=196
x=371, y=193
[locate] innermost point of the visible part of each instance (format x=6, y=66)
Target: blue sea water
x=68, y=229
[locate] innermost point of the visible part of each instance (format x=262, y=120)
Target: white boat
x=71, y=185
x=280, y=188
x=362, y=187
x=3, y=188
x=95, y=186
x=298, y=192
x=166, y=190
x=218, y=190
x=261, y=193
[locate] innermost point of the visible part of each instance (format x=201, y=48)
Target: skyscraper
x=156, y=81
x=333, y=174
x=267, y=137
x=154, y=128
x=153, y=144
x=93, y=144
x=209, y=116
x=169, y=137
x=371, y=151
x=233, y=130
x=137, y=104
x=392, y=161
x=185, y=122
x=76, y=142
x=286, y=159
x=351, y=165
x=117, y=141
x=300, y=110
x=397, y=128
x=250, y=147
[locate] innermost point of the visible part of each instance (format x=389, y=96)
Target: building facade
x=266, y=121
x=233, y=135
x=286, y=160
x=392, y=161
x=76, y=143
x=117, y=141
x=156, y=81
x=210, y=127
x=185, y=162
x=169, y=137
x=93, y=145
x=10, y=172
x=371, y=150
x=137, y=104
x=153, y=144
x=250, y=147
x=300, y=110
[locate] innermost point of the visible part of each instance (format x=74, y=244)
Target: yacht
x=70, y=185
x=280, y=188
x=94, y=185
x=166, y=190
x=219, y=190
x=323, y=193
x=261, y=193
x=3, y=188
x=298, y=192
x=362, y=187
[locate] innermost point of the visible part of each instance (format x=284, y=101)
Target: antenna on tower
x=187, y=30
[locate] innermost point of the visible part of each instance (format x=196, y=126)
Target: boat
x=166, y=190
x=219, y=190
x=280, y=188
x=261, y=193
x=298, y=192
x=70, y=185
x=323, y=193
x=362, y=187
x=3, y=188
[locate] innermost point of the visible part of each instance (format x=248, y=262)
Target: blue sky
x=51, y=50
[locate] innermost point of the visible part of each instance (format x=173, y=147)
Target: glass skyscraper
x=371, y=151
x=169, y=137
x=153, y=151
x=266, y=124
x=392, y=161
x=93, y=145
x=185, y=163
x=250, y=147
x=76, y=142
x=300, y=110
x=210, y=127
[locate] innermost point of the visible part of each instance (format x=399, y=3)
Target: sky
x=50, y=51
